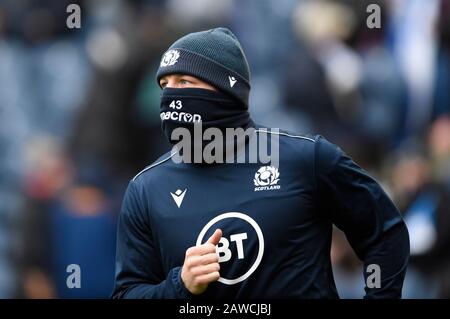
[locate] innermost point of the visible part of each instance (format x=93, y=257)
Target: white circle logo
x=170, y=58
x=258, y=231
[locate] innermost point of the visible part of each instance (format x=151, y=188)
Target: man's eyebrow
x=165, y=78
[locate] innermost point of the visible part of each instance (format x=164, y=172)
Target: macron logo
x=232, y=80
x=178, y=196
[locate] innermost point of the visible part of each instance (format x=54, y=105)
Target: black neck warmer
x=186, y=108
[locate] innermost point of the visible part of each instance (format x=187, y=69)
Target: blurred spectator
x=439, y=147
x=345, y=79
x=346, y=267
x=69, y=219
x=42, y=77
x=425, y=203
x=441, y=105
x=415, y=47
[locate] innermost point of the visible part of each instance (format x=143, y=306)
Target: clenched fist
x=201, y=265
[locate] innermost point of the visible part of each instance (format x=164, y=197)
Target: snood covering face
x=197, y=110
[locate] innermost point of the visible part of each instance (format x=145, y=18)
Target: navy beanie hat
x=214, y=56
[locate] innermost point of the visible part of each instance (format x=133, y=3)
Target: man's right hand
x=201, y=265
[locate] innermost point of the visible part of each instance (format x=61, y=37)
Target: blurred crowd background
x=79, y=117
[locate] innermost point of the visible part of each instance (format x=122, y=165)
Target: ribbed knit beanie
x=214, y=56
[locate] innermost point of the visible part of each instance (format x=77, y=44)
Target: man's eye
x=163, y=85
x=183, y=81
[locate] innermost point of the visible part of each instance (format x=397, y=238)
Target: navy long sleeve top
x=276, y=222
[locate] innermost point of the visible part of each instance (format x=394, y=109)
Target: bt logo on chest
x=223, y=248
x=235, y=245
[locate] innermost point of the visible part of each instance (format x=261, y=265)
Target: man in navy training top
x=247, y=230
